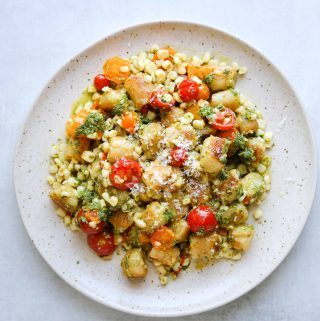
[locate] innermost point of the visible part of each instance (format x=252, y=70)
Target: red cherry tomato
x=202, y=219
x=101, y=81
x=89, y=221
x=188, y=90
x=159, y=100
x=178, y=156
x=125, y=173
x=225, y=120
x=230, y=134
x=102, y=243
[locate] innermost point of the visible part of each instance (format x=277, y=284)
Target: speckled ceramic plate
x=285, y=210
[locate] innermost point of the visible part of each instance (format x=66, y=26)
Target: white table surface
x=37, y=37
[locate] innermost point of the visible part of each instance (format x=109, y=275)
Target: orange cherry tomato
x=163, y=238
x=204, y=92
x=129, y=122
x=193, y=71
x=117, y=70
x=206, y=70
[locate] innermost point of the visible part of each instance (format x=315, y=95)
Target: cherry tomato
x=102, y=243
x=89, y=221
x=178, y=156
x=161, y=99
x=225, y=120
x=163, y=238
x=129, y=122
x=204, y=92
x=188, y=90
x=101, y=81
x=230, y=134
x=125, y=173
x=144, y=110
x=202, y=219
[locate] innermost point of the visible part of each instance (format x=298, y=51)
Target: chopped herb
x=82, y=219
x=104, y=215
x=87, y=196
x=209, y=79
x=94, y=123
x=90, y=200
x=144, y=120
x=240, y=141
x=169, y=215
x=119, y=108
x=248, y=155
x=134, y=237
x=234, y=92
x=223, y=175
x=206, y=111
x=126, y=262
x=222, y=219
x=201, y=232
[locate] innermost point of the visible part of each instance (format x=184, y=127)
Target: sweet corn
x=88, y=156
x=163, y=53
x=198, y=124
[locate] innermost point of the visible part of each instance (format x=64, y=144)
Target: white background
x=37, y=37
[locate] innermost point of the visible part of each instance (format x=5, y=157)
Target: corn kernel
x=88, y=156
x=50, y=180
x=196, y=61
x=172, y=75
x=150, y=67
x=67, y=220
x=163, y=53
x=268, y=136
x=154, y=48
x=261, y=168
x=160, y=75
x=257, y=214
x=60, y=212
x=198, y=124
x=181, y=69
x=53, y=169
x=196, y=80
x=176, y=97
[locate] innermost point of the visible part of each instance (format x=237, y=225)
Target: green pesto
x=169, y=215
x=94, y=123
x=206, y=111
x=119, y=108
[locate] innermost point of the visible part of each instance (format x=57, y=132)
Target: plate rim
x=194, y=310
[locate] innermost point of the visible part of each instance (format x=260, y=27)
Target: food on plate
x=162, y=158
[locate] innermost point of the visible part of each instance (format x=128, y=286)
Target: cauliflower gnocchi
x=163, y=157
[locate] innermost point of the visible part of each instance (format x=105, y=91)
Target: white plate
x=285, y=209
